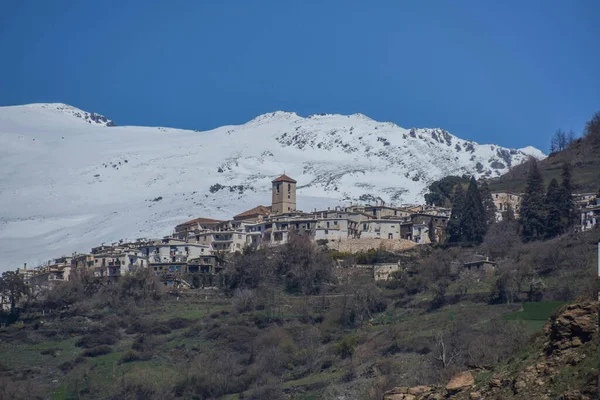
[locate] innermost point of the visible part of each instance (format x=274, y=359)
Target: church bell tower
x=284, y=195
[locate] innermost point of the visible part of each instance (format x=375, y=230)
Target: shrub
x=89, y=341
x=145, y=343
x=69, y=365
x=50, y=352
x=178, y=323
x=345, y=348
x=132, y=355
x=97, y=351
x=161, y=330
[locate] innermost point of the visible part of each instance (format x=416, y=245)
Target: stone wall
x=356, y=245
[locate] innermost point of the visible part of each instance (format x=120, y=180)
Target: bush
x=145, y=343
x=69, y=365
x=132, y=355
x=178, y=323
x=161, y=330
x=97, y=351
x=89, y=341
x=345, y=348
x=50, y=352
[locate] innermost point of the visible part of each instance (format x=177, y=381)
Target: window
x=326, y=232
x=289, y=188
x=277, y=187
x=364, y=227
x=374, y=212
x=328, y=224
x=395, y=212
x=496, y=195
x=335, y=222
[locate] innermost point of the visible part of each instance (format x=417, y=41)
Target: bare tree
x=445, y=351
x=558, y=141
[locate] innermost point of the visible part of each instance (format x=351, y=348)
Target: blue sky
x=507, y=72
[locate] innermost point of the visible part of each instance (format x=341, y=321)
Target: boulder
x=420, y=389
x=461, y=381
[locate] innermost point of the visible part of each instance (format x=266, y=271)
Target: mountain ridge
x=68, y=186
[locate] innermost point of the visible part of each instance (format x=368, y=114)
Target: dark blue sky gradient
x=507, y=72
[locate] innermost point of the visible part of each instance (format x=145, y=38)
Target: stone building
x=284, y=195
x=504, y=200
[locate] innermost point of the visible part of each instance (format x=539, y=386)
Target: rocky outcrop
x=571, y=328
x=461, y=381
x=560, y=371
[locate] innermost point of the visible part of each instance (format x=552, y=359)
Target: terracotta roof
x=201, y=221
x=283, y=178
x=259, y=210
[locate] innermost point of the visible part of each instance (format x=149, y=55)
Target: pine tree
x=532, y=214
x=488, y=204
x=566, y=206
x=454, y=224
x=554, y=223
x=473, y=224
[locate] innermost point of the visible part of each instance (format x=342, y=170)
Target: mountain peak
x=66, y=109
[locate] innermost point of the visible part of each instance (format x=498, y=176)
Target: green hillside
x=583, y=154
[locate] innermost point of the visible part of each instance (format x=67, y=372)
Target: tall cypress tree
x=508, y=214
x=532, y=213
x=567, y=206
x=488, y=204
x=554, y=223
x=474, y=224
x=454, y=228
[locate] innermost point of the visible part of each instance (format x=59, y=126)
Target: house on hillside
x=504, y=200
x=49, y=276
x=590, y=217
x=481, y=263
x=25, y=273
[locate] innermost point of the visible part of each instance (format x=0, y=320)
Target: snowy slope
x=70, y=182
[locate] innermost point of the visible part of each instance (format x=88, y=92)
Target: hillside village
x=198, y=246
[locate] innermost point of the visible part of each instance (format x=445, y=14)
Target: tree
x=566, y=204
x=558, y=141
x=554, y=224
x=533, y=218
x=570, y=137
x=473, y=219
x=592, y=129
x=454, y=228
x=440, y=193
x=13, y=287
x=508, y=214
x=488, y=204
x=431, y=231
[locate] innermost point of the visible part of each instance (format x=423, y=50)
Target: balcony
x=223, y=239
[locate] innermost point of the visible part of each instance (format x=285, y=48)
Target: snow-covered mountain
x=71, y=179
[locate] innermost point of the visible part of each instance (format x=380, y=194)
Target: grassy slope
x=583, y=155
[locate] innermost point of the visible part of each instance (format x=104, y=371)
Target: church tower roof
x=283, y=178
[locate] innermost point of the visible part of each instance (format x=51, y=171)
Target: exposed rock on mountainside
x=566, y=368
x=65, y=109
